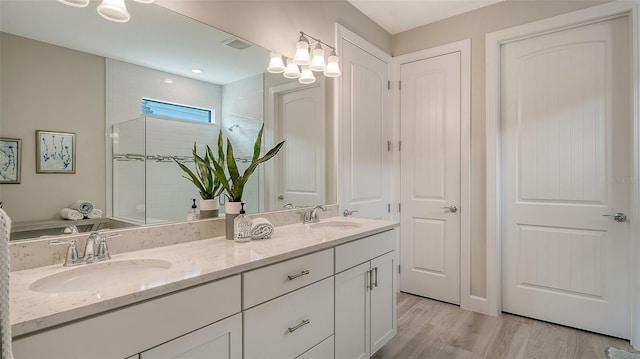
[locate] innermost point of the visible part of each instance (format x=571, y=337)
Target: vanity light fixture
x=317, y=63
x=112, y=10
x=333, y=68
x=196, y=70
x=302, y=51
x=276, y=65
x=292, y=71
x=306, y=76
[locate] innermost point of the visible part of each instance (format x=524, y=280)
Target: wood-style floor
x=432, y=329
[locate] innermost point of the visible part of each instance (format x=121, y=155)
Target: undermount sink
x=336, y=225
x=101, y=275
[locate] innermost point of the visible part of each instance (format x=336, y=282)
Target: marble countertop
x=192, y=263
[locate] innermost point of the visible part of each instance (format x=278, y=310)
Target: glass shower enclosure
x=148, y=185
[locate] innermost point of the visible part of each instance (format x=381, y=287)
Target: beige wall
x=274, y=24
x=46, y=87
x=475, y=25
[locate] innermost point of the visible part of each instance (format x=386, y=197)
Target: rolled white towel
x=95, y=213
x=261, y=228
x=72, y=214
x=82, y=206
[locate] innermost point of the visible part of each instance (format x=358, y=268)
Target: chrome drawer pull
x=304, y=322
x=376, y=276
x=292, y=277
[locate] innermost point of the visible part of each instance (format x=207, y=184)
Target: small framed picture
x=55, y=152
x=10, y=160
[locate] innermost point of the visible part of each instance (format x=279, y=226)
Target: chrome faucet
x=311, y=216
x=96, y=249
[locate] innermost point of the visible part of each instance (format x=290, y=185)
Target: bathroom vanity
x=323, y=290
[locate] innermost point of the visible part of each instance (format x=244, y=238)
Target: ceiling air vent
x=236, y=43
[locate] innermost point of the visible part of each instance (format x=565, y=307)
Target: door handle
x=618, y=217
x=281, y=197
x=452, y=208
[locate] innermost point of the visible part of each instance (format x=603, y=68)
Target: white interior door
x=430, y=177
x=566, y=163
x=302, y=161
x=365, y=160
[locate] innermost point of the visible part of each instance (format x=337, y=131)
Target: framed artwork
x=10, y=160
x=55, y=152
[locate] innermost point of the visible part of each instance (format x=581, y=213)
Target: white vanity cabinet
x=136, y=328
x=336, y=302
x=364, y=296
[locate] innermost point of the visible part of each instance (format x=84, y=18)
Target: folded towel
x=261, y=228
x=82, y=206
x=5, y=324
x=72, y=214
x=95, y=213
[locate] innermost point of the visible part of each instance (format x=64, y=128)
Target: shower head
x=230, y=129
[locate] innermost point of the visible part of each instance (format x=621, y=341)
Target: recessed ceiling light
x=169, y=81
x=196, y=70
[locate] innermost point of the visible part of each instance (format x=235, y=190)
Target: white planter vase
x=209, y=208
x=231, y=211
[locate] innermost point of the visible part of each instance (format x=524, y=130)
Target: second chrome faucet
x=311, y=215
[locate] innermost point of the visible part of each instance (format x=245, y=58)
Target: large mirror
x=117, y=88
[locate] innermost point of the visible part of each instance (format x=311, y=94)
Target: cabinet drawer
x=353, y=253
x=288, y=326
x=323, y=350
x=269, y=282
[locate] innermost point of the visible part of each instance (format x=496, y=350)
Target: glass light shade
x=317, y=62
x=114, y=10
x=276, y=65
x=75, y=3
x=307, y=76
x=302, y=53
x=333, y=69
x=292, y=71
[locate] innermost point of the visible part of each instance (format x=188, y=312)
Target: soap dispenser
x=242, y=226
x=193, y=214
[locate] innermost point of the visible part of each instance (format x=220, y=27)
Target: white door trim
x=493, y=236
x=467, y=301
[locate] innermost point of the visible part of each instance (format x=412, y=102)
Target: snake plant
x=204, y=178
x=233, y=185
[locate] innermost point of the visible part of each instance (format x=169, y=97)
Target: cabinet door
x=219, y=340
x=383, y=301
x=352, y=313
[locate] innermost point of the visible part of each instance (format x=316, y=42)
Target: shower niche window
x=148, y=186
